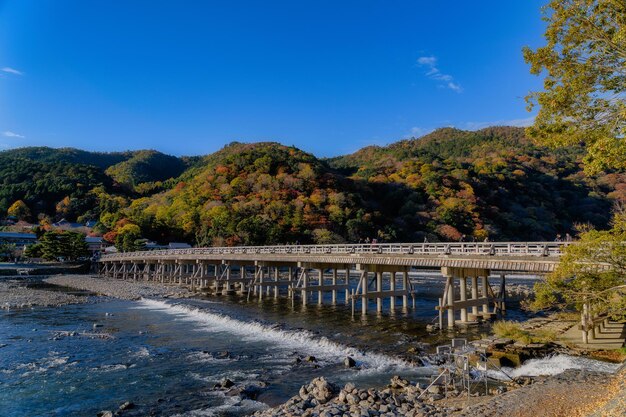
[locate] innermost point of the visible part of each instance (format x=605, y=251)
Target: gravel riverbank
x=14, y=294
x=573, y=393
x=125, y=290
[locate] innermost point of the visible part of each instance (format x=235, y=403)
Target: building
x=96, y=244
x=18, y=239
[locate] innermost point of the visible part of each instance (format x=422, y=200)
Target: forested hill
x=66, y=182
x=489, y=183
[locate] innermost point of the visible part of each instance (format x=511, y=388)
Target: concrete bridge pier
x=474, y=297
x=377, y=289
x=481, y=298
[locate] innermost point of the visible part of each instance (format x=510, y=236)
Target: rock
x=397, y=382
x=222, y=355
x=224, y=383
x=348, y=362
x=310, y=358
x=323, y=390
x=233, y=392
x=434, y=389
x=127, y=406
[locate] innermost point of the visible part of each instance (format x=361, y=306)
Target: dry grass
x=513, y=330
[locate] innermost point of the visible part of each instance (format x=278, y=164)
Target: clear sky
x=187, y=77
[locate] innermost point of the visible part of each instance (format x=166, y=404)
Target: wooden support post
x=440, y=313
x=334, y=292
x=405, y=287
x=450, y=303
x=305, y=284
x=503, y=294
x=364, y=299
x=475, y=294
x=261, y=276
x=379, y=289
x=320, y=282
x=352, y=302
x=276, y=277
x=485, y=285
x=392, y=287
x=347, y=282
x=463, y=291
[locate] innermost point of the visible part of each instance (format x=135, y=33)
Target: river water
x=165, y=356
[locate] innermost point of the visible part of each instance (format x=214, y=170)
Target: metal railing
x=543, y=249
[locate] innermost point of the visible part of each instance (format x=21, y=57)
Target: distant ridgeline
x=489, y=183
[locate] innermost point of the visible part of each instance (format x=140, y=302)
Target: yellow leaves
x=129, y=228
x=318, y=197
x=19, y=209
x=305, y=171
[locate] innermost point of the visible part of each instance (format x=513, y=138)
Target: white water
x=555, y=365
x=323, y=349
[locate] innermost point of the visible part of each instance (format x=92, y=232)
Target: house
x=149, y=245
x=64, y=224
x=96, y=244
x=178, y=245
x=18, y=239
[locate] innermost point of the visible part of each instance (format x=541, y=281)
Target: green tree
x=584, y=102
x=66, y=245
x=34, y=251
x=7, y=251
x=584, y=60
x=129, y=238
x=592, y=272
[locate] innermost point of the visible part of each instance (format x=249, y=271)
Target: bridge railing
x=417, y=249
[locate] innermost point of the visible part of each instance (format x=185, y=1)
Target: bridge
x=361, y=274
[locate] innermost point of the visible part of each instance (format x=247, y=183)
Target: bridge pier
x=379, y=292
x=481, y=296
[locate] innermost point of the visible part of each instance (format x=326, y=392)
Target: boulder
x=397, y=382
x=348, y=362
x=323, y=390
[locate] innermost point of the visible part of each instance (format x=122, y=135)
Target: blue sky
x=188, y=77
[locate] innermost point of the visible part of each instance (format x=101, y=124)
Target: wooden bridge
x=356, y=273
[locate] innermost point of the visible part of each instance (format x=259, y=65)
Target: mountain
x=48, y=155
x=146, y=166
x=67, y=182
x=491, y=183
x=253, y=194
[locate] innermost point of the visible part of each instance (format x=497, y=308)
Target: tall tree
x=591, y=272
x=584, y=96
x=67, y=245
x=584, y=101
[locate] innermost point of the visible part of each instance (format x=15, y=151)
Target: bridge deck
x=532, y=257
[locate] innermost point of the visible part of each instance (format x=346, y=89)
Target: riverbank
x=124, y=290
x=573, y=393
x=13, y=294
